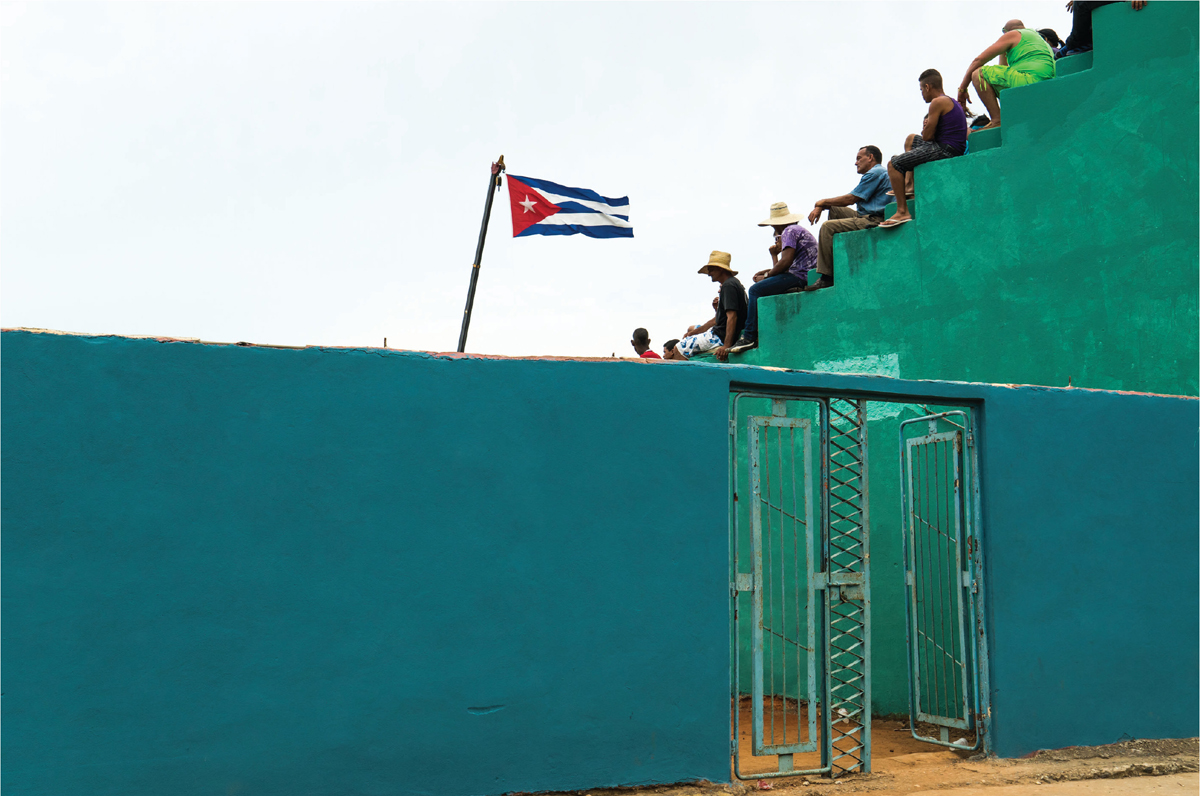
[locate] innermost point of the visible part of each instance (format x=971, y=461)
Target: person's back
x=952, y=129
x=1025, y=59
x=1032, y=55
x=732, y=297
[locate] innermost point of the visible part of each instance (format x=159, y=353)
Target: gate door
x=807, y=638
x=942, y=570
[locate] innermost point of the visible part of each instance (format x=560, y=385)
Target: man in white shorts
x=718, y=334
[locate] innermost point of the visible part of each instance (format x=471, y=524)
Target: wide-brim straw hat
x=718, y=260
x=780, y=215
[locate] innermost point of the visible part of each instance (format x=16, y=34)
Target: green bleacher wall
x=1063, y=250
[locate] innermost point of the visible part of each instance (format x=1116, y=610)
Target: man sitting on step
x=720, y=332
x=869, y=195
x=944, y=135
x=793, y=255
x=1025, y=59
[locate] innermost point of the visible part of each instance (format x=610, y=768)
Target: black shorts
x=922, y=152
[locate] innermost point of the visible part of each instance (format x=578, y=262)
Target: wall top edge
x=749, y=377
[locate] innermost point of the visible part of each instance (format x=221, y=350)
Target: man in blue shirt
x=871, y=197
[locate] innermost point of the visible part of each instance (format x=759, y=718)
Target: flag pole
x=493, y=186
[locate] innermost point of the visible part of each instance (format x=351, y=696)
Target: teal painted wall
x=1092, y=551
x=249, y=570
x=357, y=571
x=1068, y=254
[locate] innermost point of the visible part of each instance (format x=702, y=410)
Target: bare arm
x=781, y=262
x=730, y=324
x=936, y=108
x=1001, y=46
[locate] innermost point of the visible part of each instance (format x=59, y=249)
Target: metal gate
x=943, y=576
x=806, y=576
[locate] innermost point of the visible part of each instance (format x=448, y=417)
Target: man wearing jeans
x=871, y=197
x=793, y=255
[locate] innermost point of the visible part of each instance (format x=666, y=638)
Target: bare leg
x=897, y=179
x=987, y=95
x=908, y=178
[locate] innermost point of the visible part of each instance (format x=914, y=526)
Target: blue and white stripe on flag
x=541, y=207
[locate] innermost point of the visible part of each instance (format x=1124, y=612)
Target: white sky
x=315, y=173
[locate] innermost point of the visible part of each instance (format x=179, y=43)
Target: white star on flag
x=527, y=204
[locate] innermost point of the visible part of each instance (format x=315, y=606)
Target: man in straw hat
x=726, y=325
x=793, y=255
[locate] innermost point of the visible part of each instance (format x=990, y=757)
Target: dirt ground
x=904, y=765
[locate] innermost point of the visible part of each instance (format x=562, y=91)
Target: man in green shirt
x=1025, y=58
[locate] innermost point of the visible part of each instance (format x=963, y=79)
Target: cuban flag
x=541, y=207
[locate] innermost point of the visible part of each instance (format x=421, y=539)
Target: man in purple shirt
x=793, y=255
x=943, y=136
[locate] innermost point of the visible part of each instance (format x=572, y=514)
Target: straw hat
x=718, y=260
x=780, y=215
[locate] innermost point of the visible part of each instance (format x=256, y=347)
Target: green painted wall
x=1067, y=254
x=1062, y=250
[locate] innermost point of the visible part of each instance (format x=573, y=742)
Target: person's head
x=931, y=84
x=867, y=158
x=979, y=121
x=1051, y=37
x=669, y=347
x=1013, y=24
x=640, y=341
x=717, y=268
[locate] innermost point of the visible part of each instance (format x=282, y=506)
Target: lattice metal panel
x=849, y=599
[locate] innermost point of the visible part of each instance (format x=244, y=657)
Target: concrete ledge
x=890, y=210
x=984, y=139
x=1072, y=64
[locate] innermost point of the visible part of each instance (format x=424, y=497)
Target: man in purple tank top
x=943, y=136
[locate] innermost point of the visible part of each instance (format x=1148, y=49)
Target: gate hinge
x=744, y=582
x=732, y=427
x=970, y=439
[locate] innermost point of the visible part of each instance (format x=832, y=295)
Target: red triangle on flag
x=528, y=206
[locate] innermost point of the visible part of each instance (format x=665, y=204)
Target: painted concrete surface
x=362, y=571
x=1066, y=255
x=1093, y=568
x=282, y=572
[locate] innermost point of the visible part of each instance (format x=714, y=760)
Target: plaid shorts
x=698, y=343
x=922, y=152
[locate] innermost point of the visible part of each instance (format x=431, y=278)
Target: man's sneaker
x=822, y=283
x=744, y=343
